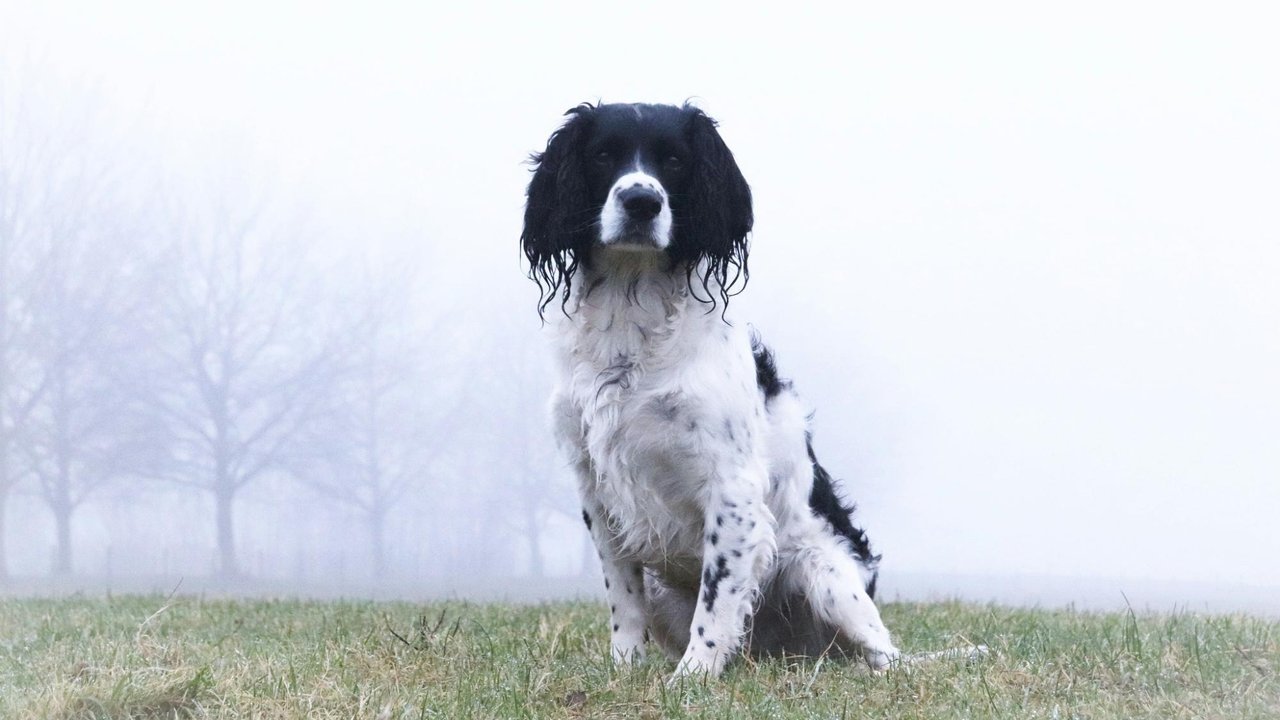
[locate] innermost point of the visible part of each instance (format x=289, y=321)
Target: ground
x=156, y=657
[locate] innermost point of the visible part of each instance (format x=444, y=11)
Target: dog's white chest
x=666, y=398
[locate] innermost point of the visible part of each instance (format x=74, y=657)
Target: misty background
x=264, y=326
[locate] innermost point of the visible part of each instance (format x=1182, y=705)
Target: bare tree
x=526, y=472
x=247, y=357
x=34, y=149
x=15, y=160
x=85, y=281
x=391, y=413
x=87, y=428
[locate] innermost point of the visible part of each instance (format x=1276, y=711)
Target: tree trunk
x=62, y=511
x=62, y=508
x=227, y=567
x=377, y=524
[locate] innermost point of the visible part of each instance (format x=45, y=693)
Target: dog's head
x=637, y=178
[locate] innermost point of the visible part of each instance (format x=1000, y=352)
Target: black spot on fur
x=714, y=538
x=826, y=504
x=711, y=643
x=586, y=519
x=766, y=370
x=615, y=627
x=711, y=581
x=701, y=630
x=669, y=406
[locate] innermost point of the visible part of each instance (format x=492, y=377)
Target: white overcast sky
x=1025, y=263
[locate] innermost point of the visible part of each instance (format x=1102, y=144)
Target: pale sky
x=1022, y=262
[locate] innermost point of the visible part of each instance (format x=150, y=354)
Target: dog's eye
x=603, y=158
x=673, y=163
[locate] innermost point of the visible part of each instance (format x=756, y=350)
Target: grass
x=148, y=657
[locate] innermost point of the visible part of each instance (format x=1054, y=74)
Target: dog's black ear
x=558, y=218
x=713, y=225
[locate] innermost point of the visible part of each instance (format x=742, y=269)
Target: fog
x=261, y=264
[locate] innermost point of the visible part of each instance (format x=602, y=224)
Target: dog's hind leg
x=818, y=567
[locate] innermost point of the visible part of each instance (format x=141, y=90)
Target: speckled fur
x=687, y=472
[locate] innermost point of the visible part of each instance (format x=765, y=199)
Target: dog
x=718, y=531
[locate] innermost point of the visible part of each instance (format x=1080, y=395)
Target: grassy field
x=151, y=657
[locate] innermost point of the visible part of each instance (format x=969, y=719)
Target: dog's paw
x=697, y=666
x=626, y=651
x=883, y=660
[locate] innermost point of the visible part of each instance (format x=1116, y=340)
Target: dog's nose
x=640, y=202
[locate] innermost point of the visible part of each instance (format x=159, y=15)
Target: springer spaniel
x=717, y=529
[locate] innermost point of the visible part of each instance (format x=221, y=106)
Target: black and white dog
x=715, y=524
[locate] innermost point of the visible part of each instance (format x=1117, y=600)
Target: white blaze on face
x=619, y=229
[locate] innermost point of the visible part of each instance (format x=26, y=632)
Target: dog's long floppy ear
x=716, y=218
x=558, y=217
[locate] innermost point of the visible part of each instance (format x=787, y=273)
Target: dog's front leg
x=738, y=546
x=623, y=578
x=624, y=587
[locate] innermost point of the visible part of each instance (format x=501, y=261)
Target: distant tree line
x=163, y=333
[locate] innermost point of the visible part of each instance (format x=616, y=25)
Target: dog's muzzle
x=636, y=213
